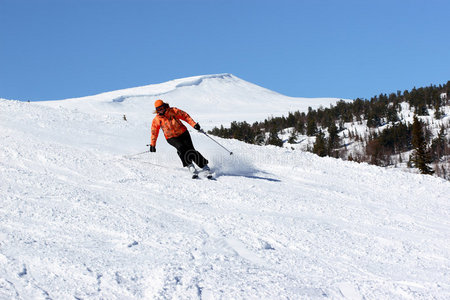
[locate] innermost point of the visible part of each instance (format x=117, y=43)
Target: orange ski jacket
x=170, y=124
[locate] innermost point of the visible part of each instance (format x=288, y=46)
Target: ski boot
x=207, y=171
x=193, y=171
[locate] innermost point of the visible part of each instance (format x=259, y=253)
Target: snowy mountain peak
x=196, y=80
x=214, y=99
x=159, y=89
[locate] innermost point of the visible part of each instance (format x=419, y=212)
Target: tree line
x=382, y=145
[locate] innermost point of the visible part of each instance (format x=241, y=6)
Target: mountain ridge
x=217, y=99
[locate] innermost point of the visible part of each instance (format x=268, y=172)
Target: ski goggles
x=160, y=108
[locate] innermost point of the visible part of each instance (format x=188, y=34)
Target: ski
x=209, y=177
x=199, y=175
x=207, y=173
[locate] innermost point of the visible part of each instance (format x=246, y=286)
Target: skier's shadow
x=250, y=176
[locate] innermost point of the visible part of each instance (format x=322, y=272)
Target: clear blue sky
x=56, y=49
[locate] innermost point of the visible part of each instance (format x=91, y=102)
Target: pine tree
x=391, y=114
x=274, y=139
x=373, y=119
x=438, y=114
x=333, y=140
x=300, y=126
x=320, y=146
x=311, y=126
x=420, y=156
x=438, y=145
x=422, y=109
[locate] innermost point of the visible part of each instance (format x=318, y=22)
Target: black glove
x=197, y=126
x=152, y=149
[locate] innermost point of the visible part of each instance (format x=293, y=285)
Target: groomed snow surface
x=80, y=218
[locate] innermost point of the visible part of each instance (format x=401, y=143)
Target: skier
x=168, y=118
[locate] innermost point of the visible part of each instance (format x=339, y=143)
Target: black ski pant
x=186, y=151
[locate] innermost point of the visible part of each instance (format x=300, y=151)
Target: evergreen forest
x=408, y=128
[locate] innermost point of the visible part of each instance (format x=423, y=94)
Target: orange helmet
x=158, y=103
x=161, y=107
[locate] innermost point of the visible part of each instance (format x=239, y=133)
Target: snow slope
x=82, y=218
x=215, y=99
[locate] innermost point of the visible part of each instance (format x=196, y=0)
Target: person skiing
x=168, y=119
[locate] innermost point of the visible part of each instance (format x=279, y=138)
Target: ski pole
x=201, y=130
x=137, y=153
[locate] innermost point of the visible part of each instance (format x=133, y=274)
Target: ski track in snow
x=80, y=219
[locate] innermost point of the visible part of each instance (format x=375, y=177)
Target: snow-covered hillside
x=82, y=218
x=355, y=135
x=214, y=99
